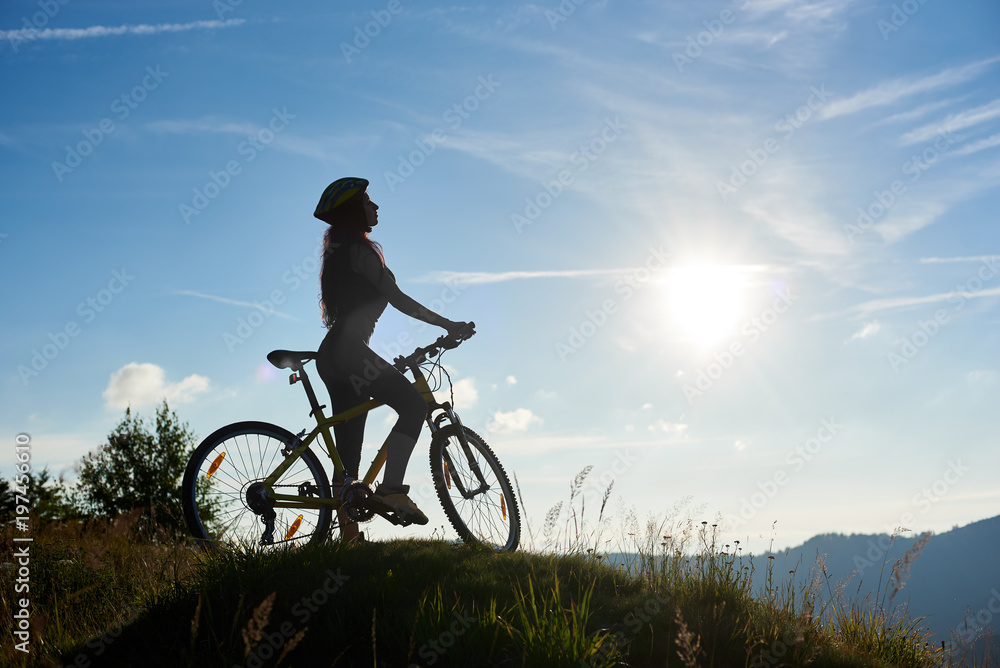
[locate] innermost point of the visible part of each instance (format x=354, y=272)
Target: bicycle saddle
x=290, y=359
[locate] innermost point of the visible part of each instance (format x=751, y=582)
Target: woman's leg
x=348, y=436
x=354, y=373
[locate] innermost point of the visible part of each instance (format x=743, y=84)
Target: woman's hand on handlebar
x=460, y=330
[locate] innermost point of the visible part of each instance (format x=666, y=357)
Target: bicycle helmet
x=337, y=193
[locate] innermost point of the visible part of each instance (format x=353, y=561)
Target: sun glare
x=706, y=301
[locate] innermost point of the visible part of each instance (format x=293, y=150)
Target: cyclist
x=355, y=286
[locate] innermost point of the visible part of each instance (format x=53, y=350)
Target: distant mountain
x=954, y=583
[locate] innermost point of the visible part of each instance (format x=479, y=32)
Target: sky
x=739, y=257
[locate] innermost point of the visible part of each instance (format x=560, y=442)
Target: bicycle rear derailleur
x=263, y=506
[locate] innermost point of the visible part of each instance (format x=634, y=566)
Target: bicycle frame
x=323, y=426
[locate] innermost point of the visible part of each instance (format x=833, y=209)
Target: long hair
x=348, y=225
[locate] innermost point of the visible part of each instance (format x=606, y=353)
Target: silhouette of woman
x=355, y=286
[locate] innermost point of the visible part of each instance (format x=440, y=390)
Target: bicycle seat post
x=314, y=404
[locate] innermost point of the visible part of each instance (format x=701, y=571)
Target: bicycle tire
x=480, y=519
x=252, y=450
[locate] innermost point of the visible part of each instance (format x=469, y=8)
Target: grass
x=103, y=597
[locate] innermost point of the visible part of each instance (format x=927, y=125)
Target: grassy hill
x=103, y=598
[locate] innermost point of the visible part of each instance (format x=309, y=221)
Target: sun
x=706, y=301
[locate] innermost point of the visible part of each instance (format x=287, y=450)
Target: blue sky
x=740, y=256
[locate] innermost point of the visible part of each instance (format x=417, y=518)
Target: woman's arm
x=367, y=263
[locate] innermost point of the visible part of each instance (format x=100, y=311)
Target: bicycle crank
x=355, y=497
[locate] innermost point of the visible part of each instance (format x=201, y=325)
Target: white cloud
x=869, y=329
x=511, y=380
x=465, y=392
x=889, y=92
x=144, y=384
x=32, y=34
x=518, y=419
x=981, y=377
x=669, y=427
x=740, y=444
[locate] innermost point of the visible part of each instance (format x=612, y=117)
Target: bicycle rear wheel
x=482, y=510
x=219, y=481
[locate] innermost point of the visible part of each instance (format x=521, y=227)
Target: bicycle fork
x=464, y=442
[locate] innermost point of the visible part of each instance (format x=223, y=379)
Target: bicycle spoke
x=217, y=507
x=480, y=517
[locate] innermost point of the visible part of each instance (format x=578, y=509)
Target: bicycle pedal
x=395, y=519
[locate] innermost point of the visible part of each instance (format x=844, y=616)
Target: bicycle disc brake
x=355, y=497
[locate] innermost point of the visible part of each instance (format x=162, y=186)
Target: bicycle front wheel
x=220, y=482
x=474, y=489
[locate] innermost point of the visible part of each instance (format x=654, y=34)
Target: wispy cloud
x=763, y=38
x=789, y=203
x=813, y=10
x=890, y=91
x=207, y=124
x=913, y=114
x=286, y=142
x=865, y=309
x=480, y=277
x=934, y=200
x=234, y=302
x=980, y=145
x=32, y=34
x=953, y=123
x=971, y=258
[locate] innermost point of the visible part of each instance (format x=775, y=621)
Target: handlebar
x=444, y=342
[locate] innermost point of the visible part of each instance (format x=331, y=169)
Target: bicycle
x=237, y=477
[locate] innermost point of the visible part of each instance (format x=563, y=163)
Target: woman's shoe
x=395, y=499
